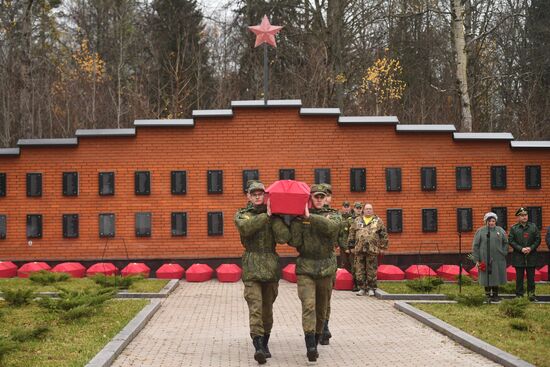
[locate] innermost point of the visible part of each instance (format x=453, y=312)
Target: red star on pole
x=265, y=32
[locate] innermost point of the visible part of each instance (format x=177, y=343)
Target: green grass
x=71, y=343
x=487, y=323
x=141, y=286
x=448, y=288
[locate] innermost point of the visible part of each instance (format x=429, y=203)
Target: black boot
x=311, y=347
x=259, y=355
x=495, y=297
x=266, y=348
x=326, y=335
x=488, y=296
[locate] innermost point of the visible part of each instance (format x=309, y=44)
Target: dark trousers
x=530, y=280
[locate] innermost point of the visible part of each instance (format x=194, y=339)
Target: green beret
x=521, y=211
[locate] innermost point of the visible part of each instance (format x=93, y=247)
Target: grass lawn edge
x=108, y=354
x=477, y=345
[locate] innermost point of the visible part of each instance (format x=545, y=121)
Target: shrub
x=466, y=280
x=18, y=297
x=115, y=281
x=72, y=305
x=22, y=334
x=470, y=300
x=45, y=277
x=514, y=307
x=519, y=324
x=425, y=284
x=508, y=288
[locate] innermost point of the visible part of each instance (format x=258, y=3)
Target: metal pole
x=265, y=74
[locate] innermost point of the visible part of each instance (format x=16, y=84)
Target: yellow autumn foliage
x=383, y=80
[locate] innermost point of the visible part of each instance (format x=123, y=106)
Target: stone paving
x=206, y=324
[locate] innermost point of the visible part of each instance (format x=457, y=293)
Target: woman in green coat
x=489, y=250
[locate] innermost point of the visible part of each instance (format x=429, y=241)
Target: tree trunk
x=461, y=58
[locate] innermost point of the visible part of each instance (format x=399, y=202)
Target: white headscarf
x=489, y=215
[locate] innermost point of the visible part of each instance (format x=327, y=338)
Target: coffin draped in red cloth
x=474, y=272
x=7, y=269
x=289, y=273
x=344, y=280
x=170, y=271
x=199, y=273
x=419, y=271
x=511, y=274
x=27, y=269
x=389, y=272
x=450, y=272
x=544, y=272
x=74, y=269
x=228, y=273
x=136, y=269
x=288, y=197
x=102, y=268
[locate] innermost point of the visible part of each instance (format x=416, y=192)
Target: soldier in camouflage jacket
x=368, y=234
x=260, y=232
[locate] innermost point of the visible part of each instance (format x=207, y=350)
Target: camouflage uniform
x=261, y=272
x=369, y=240
x=314, y=238
x=347, y=259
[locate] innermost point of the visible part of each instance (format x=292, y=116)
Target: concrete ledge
x=165, y=123
x=47, y=142
x=483, y=136
x=9, y=151
x=165, y=292
x=368, y=120
x=380, y=294
x=425, y=128
x=541, y=144
x=465, y=339
x=212, y=113
x=320, y=111
x=96, y=133
x=113, y=349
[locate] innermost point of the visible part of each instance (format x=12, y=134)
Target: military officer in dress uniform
x=524, y=238
x=260, y=232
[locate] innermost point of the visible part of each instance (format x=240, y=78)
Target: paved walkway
x=206, y=324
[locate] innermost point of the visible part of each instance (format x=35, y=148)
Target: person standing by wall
x=313, y=235
x=524, y=238
x=548, y=254
x=489, y=249
x=260, y=232
x=368, y=234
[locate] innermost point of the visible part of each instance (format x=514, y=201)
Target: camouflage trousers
x=347, y=262
x=366, y=267
x=260, y=297
x=315, y=297
x=327, y=317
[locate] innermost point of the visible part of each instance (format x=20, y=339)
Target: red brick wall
x=263, y=139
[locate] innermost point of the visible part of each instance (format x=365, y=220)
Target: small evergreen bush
x=519, y=324
x=470, y=300
x=424, y=284
x=115, y=281
x=514, y=308
x=466, y=280
x=18, y=297
x=22, y=334
x=45, y=277
x=72, y=305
